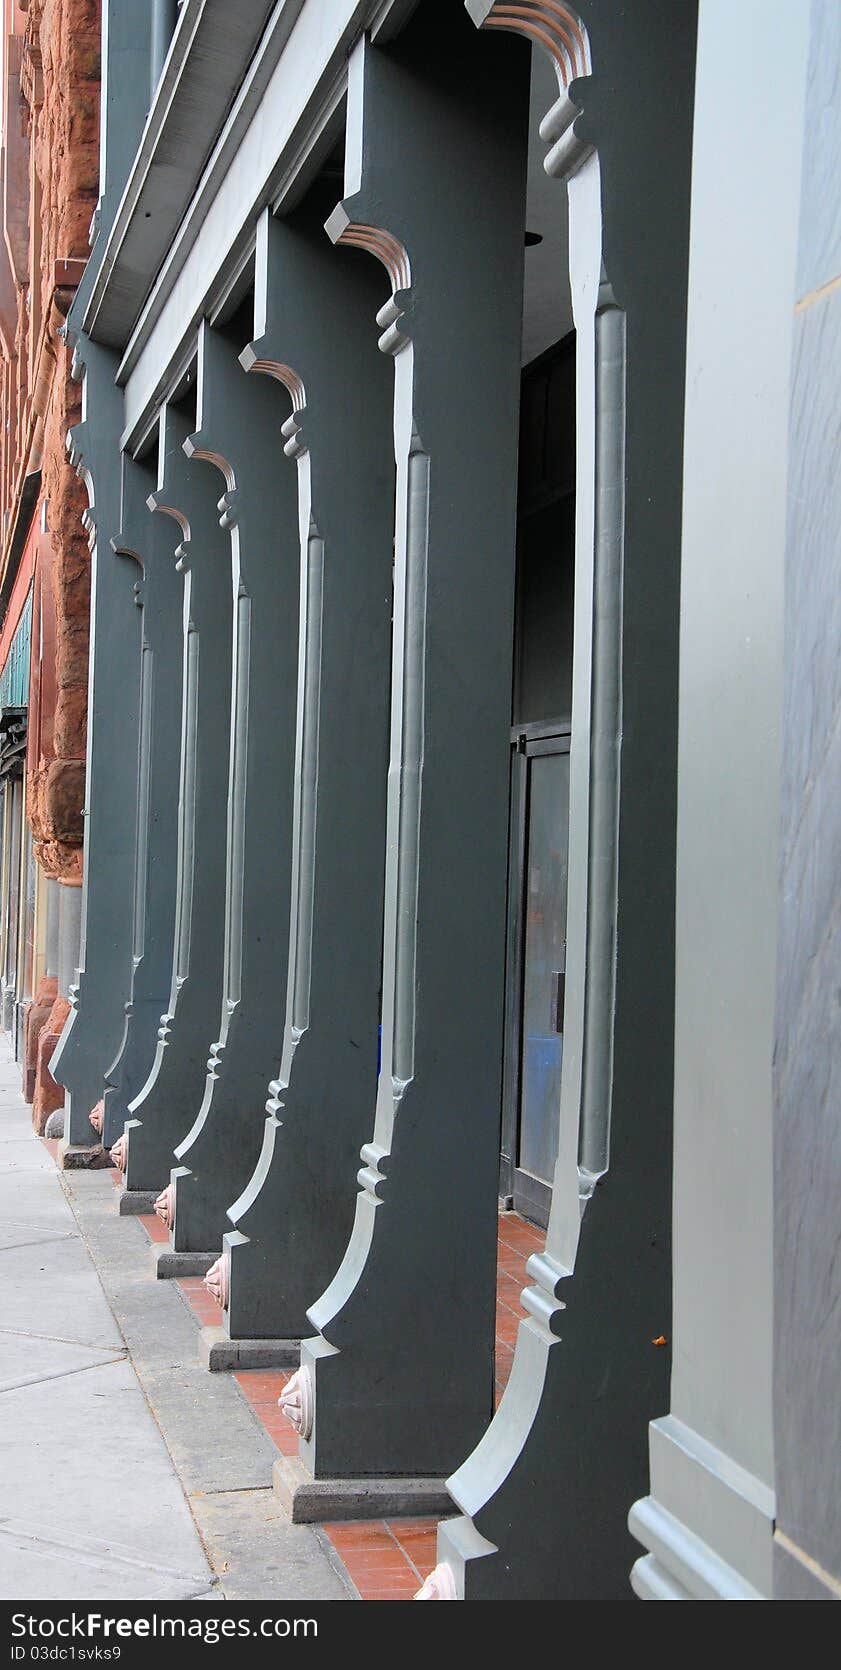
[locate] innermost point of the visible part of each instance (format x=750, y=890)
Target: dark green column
x=315, y=311
x=401, y=1374
x=544, y=1498
x=166, y=1105
x=157, y=594
x=94, y=1027
x=238, y=436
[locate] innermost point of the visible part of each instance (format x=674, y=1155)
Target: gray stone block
x=218, y=1352
x=132, y=1201
x=168, y=1264
x=260, y=1556
x=310, y=1501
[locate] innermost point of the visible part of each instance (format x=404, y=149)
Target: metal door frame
x=520, y=1189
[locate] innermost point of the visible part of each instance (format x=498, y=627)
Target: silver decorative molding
x=159, y=500
x=605, y=740
x=199, y=445
x=708, y=1523
x=306, y=778
x=309, y=674
x=388, y=250
x=559, y=32
x=410, y=575
x=144, y=782
x=680, y=1566
x=236, y=804
x=409, y=638
x=187, y=806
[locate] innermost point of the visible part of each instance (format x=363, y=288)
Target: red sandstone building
x=50, y=163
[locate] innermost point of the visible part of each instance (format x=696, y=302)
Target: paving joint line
x=61, y=1339
x=42, y=1241
x=89, y=1551
x=64, y=1374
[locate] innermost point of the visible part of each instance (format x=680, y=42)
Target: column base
x=707, y=1525
x=680, y=1566
x=170, y=1265
x=217, y=1351
x=133, y=1201
x=73, y=1156
x=310, y=1501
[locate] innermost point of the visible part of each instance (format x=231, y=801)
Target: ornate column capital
x=557, y=29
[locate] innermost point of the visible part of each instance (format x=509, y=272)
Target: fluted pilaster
x=544, y=1497
x=238, y=437
x=402, y=1369
x=158, y=590
x=165, y=1106
x=94, y=1027
x=314, y=335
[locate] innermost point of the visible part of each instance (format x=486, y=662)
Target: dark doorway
x=540, y=739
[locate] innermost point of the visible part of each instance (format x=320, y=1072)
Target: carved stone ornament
x=165, y=1205
x=96, y=1116
x=119, y=1152
x=439, y=1585
x=296, y=1401
x=218, y=1280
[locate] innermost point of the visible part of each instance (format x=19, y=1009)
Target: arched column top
x=202, y=442
x=555, y=27
x=341, y=228
x=264, y=354
x=379, y=242
x=167, y=496
x=559, y=32
x=252, y=360
x=132, y=536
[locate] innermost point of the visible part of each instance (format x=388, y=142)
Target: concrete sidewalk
x=126, y=1471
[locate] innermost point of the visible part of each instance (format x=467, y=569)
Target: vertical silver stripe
x=413, y=581
x=144, y=777
x=305, y=833
x=236, y=820
x=605, y=735
x=187, y=807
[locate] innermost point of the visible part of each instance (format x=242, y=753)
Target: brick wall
x=61, y=82
x=51, y=145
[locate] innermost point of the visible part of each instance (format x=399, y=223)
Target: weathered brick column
x=60, y=71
